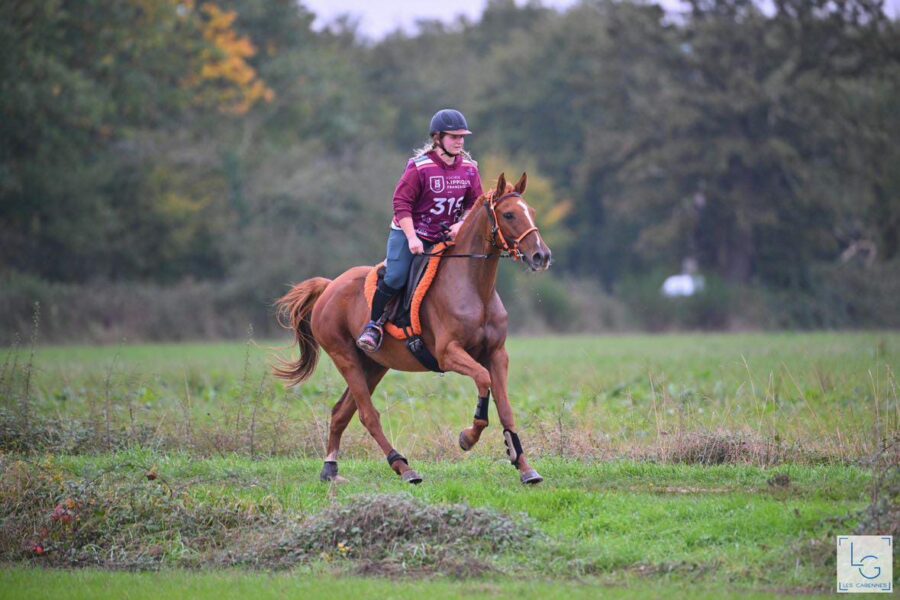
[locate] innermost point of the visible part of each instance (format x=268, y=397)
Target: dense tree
x=175, y=140
x=89, y=92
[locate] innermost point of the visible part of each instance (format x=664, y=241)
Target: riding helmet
x=448, y=119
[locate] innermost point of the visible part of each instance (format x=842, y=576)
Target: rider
x=435, y=193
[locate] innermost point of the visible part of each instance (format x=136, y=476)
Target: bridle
x=497, y=239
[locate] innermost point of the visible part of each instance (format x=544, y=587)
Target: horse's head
x=513, y=228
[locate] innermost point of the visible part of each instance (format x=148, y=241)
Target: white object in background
x=682, y=286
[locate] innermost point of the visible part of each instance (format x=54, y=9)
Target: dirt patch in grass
x=689, y=490
x=720, y=448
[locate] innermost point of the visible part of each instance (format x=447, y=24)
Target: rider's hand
x=454, y=230
x=415, y=245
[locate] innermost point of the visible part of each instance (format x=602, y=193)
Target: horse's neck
x=474, y=238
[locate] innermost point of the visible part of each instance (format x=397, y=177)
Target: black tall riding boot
x=383, y=294
x=373, y=335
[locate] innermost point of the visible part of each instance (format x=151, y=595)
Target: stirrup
x=371, y=338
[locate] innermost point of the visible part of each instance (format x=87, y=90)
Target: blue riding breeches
x=399, y=258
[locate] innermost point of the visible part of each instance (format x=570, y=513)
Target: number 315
x=449, y=203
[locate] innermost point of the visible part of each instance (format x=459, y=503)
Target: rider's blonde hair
x=431, y=145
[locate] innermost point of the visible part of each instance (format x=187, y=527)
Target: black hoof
x=412, y=477
x=531, y=477
x=329, y=471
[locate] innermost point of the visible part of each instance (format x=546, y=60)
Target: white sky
x=379, y=17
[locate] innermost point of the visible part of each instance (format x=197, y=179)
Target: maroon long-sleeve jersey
x=435, y=194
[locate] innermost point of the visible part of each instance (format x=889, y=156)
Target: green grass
x=831, y=396
x=602, y=521
x=605, y=420
x=35, y=583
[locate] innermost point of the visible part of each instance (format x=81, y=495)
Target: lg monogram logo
x=864, y=564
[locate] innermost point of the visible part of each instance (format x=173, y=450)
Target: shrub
x=708, y=309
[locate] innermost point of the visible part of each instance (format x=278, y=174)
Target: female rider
x=434, y=195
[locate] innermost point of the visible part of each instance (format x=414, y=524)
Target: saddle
x=404, y=322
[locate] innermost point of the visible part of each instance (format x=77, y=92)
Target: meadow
x=675, y=465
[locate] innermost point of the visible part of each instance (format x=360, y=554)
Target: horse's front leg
x=499, y=371
x=456, y=359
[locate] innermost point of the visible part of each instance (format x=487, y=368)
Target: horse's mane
x=488, y=195
x=483, y=199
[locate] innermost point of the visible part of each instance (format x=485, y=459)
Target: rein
x=441, y=254
x=497, y=238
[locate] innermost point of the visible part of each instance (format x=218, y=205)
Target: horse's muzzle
x=539, y=260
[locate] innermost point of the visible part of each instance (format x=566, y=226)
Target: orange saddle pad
x=402, y=333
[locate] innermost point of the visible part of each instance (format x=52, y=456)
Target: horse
x=464, y=327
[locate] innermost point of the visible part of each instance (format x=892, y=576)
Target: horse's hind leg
x=341, y=415
x=349, y=363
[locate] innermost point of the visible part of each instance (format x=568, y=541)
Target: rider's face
x=454, y=143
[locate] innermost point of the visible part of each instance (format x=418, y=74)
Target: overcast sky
x=376, y=19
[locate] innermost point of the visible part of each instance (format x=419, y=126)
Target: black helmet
x=448, y=119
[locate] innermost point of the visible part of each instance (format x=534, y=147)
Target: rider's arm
x=409, y=230
x=405, y=195
x=412, y=240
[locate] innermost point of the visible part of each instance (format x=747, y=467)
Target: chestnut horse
x=463, y=321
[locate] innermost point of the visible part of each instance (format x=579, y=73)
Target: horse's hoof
x=531, y=477
x=464, y=442
x=411, y=476
x=329, y=472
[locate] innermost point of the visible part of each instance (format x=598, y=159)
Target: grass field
x=808, y=397
x=27, y=583
x=676, y=466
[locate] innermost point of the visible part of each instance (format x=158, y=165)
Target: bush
x=839, y=296
x=708, y=309
x=130, y=516
x=384, y=531
x=121, y=518
x=110, y=312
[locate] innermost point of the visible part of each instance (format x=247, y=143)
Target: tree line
x=202, y=155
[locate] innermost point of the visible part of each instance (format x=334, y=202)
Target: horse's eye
x=508, y=216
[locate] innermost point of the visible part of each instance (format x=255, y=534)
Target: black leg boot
x=373, y=335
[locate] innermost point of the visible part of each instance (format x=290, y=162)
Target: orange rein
x=496, y=233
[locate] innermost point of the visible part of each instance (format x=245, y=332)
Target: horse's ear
x=501, y=185
x=520, y=186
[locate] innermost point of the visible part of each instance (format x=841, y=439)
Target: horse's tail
x=293, y=311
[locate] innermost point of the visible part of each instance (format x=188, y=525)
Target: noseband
x=497, y=238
